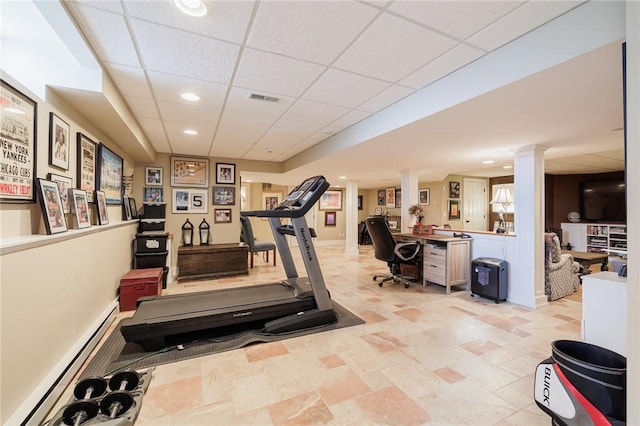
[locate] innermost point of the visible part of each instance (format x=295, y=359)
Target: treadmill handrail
x=286, y=211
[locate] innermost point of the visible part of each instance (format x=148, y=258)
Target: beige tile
x=392, y=406
x=307, y=409
x=342, y=384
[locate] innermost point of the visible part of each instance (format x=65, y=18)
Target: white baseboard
x=33, y=410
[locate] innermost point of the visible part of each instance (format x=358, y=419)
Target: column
x=529, y=226
x=351, y=216
x=409, y=185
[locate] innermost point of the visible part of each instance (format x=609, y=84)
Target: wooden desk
x=446, y=260
x=212, y=261
x=586, y=259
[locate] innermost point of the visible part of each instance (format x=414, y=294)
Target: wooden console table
x=586, y=259
x=212, y=261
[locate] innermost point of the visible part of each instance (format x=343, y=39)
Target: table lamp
x=204, y=232
x=187, y=233
x=502, y=197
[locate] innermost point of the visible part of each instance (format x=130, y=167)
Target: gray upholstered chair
x=246, y=235
x=561, y=272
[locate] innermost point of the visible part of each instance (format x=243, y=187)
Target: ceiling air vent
x=260, y=97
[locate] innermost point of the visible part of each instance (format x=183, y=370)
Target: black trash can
x=489, y=278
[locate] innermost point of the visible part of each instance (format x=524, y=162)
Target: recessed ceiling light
x=190, y=96
x=194, y=8
x=14, y=110
x=488, y=162
x=190, y=132
x=342, y=177
x=507, y=167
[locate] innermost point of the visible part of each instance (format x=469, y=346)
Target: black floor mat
x=116, y=354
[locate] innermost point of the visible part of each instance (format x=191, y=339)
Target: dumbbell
x=115, y=403
x=79, y=412
x=91, y=387
x=124, y=380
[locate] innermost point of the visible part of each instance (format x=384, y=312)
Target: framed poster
x=390, y=198
x=133, y=208
x=424, y=197
x=51, y=205
x=454, y=209
x=360, y=202
x=64, y=185
x=331, y=200
x=59, y=142
x=126, y=208
x=101, y=206
x=226, y=173
x=153, y=195
x=270, y=200
x=110, y=168
x=454, y=189
x=80, y=208
x=221, y=215
x=153, y=176
x=398, y=197
x=18, y=146
x=190, y=200
x=86, y=165
x=224, y=196
x=329, y=218
x=381, y=197
x=190, y=172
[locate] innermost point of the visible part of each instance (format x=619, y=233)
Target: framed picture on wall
x=80, y=208
x=110, y=168
x=331, y=200
x=360, y=202
x=454, y=209
x=51, y=205
x=221, y=215
x=153, y=176
x=101, y=207
x=86, y=164
x=329, y=218
x=133, y=207
x=381, y=197
x=153, y=194
x=390, y=198
x=64, y=185
x=190, y=200
x=225, y=173
x=454, y=189
x=18, y=131
x=59, y=142
x=190, y=172
x=398, y=198
x=224, y=196
x=424, y=197
x=270, y=200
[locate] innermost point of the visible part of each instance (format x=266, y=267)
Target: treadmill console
x=299, y=201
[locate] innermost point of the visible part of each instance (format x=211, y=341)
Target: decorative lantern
x=204, y=232
x=187, y=233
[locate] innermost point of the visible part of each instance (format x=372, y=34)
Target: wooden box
x=212, y=261
x=138, y=283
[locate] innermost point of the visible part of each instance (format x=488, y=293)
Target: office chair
x=388, y=250
x=246, y=236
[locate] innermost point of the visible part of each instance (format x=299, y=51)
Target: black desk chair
x=246, y=235
x=388, y=250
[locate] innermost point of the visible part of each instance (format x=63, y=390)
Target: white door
x=475, y=204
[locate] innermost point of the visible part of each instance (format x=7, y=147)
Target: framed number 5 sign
x=189, y=200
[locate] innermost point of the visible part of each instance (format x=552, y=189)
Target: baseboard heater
x=35, y=408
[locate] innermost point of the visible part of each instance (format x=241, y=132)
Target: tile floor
x=421, y=358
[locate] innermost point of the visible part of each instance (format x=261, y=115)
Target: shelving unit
x=594, y=237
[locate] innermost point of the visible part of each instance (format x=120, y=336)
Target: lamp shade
x=503, y=196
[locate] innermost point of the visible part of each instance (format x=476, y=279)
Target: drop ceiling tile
x=350, y=118
x=189, y=144
x=191, y=55
x=142, y=107
x=154, y=131
x=447, y=63
x=189, y=115
x=315, y=112
x=238, y=121
x=129, y=80
x=168, y=87
x=389, y=96
x=109, y=35
x=228, y=150
x=110, y=6
x=239, y=101
x=294, y=128
x=245, y=138
x=522, y=20
x=268, y=73
x=343, y=88
x=315, y=31
x=274, y=143
x=400, y=47
x=457, y=18
x=295, y=149
x=225, y=20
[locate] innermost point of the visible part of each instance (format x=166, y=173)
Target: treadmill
x=294, y=303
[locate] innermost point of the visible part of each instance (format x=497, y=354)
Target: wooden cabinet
x=212, y=261
x=446, y=261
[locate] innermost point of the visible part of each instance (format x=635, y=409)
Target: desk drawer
x=435, y=256
x=434, y=274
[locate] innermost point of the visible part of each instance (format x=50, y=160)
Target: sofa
x=561, y=272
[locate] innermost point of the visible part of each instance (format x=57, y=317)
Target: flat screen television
x=603, y=201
